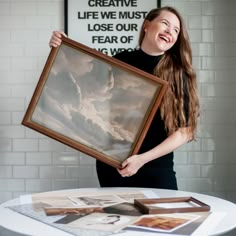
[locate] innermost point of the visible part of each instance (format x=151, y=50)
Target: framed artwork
x=94, y=103
x=108, y=26
x=170, y=205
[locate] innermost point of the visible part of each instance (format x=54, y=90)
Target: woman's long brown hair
x=176, y=68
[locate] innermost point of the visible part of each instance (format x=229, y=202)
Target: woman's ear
x=145, y=25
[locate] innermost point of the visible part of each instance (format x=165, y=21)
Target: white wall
x=30, y=162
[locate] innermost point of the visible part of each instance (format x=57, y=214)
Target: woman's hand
x=55, y=40
x=131, y=165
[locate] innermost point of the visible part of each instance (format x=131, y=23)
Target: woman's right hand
x=55, y=40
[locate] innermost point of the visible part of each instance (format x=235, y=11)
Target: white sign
x=109, y=26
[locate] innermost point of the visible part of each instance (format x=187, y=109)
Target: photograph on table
x=165, y=222
x=103, y=222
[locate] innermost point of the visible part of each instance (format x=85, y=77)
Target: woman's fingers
x=55, y=40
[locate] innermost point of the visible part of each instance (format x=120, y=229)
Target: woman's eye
x=164, y=22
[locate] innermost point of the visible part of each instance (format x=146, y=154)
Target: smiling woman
x=164, y=51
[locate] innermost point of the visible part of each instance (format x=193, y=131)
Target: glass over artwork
x=93, y=104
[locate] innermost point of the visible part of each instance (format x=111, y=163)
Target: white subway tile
x=51, y=8
x=37, y=50
x=60, y=184
x=12, y=158
x=11, y=104
x=4, y=8
x=199, y=158
x=195, y=22
x=23, y=63
x=191, y=146
x=23, y=91
x=218, y=63
x=30, y=133
x=5, y=118
x=206, y=49
x=181, y=158
x=50, y=145
x=5, y=63
x=37, y=22
x=79, y=171
x=5, y=145
x=187, y=171
x=86, y=159
x=32, y=76
x=208, y=36
x=218, y=8
x=208, y=22
x=222, y=157
x=25, y=145
x=210, y=171
x=66, y=158
x=199, y=185
x=12, y=77
x=225, y=76
x=88, y=183
x=37, y=185
x=195, y=35
x=17, y=117
x=11, y=22
x=5, y=91
x=12, y=131
x=189, y=7
x=5, y=36
x=38, y=158
x=224, y=183
x=5, y=172
x=25, y=172
x=206, y=76
x=21, y=9
x=25, y=35
x=52, y=172
x=12, y=185
x=12, y=49
x=5, y=196
x=225, y=50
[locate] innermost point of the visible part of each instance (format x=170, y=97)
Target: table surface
x=25, y=225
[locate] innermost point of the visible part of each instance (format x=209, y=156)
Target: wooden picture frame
x=170, y=205
x=94, y=103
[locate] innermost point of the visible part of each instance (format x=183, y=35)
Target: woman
x=165, y=52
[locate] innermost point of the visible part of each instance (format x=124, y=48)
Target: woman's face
x=161, y=33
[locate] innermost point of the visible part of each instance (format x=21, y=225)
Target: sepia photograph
x=94, y=103
x=103, y=222
x=96, y=201
x=51, y=211
x=165, y=222
x=124, y=208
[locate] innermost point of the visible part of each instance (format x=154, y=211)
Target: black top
x=156, y=133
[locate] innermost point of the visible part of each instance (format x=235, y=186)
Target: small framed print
x=94, y=103
x=170, y=205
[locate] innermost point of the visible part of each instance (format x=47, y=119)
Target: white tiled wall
x=30, y=162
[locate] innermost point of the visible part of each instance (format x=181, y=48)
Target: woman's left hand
x=130, y=166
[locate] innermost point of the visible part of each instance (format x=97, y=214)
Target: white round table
x=19, y=223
